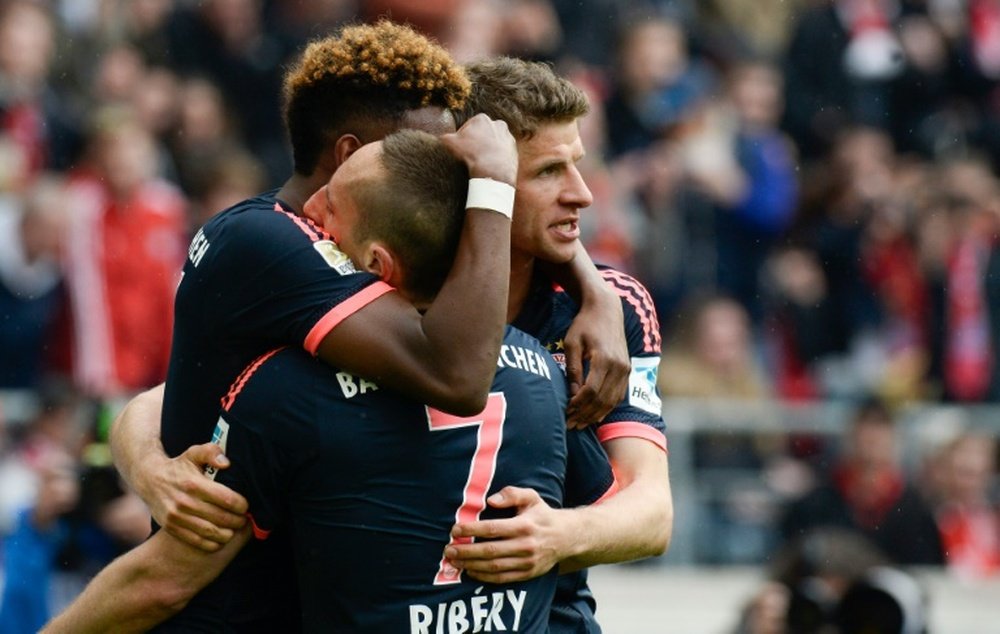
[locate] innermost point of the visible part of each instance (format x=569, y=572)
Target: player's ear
x=380, y=261
x=346, y=145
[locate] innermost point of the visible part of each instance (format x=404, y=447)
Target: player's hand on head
x=192, y=507
x=597, y=335
x=514, y=549
x=486, y=147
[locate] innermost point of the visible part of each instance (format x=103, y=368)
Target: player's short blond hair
x=418, y=209
x=526, y=95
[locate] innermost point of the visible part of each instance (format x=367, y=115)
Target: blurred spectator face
x=531, y=28
x=125, y=155
x=155, y=100
x=202, y=113
x=42, y=230
x=866, y=156
x=475, y=32
x=148, y=15
x=119, y=75
x=237, y=22
x=550, y=194
x=873, y=445
x=653, y=54
x=968, y=466
x=757, y=94
x=26, y=44
x=723, y=336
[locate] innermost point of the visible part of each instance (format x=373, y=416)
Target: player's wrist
x=491, y=195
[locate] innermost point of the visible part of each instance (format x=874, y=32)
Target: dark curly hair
x=526, y=95
x=363, y=80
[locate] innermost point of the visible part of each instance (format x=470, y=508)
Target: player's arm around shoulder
x=181, y=499
x=597, y=336
x=447, y=356
x=144, y=587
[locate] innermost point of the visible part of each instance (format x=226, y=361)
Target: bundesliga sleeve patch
x=642, y=385
x=334, y=257
x=219, y=437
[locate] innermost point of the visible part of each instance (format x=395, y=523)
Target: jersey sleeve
x=266, y=433
x=588, y=471
x=639, y=415
x=270, y=274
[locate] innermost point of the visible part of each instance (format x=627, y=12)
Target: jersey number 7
x=484, y=463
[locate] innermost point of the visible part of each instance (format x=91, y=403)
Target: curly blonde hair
x=366, y=75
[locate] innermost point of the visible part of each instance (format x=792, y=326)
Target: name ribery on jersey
x=478, y=613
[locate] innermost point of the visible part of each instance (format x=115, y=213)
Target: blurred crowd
x=807, y=187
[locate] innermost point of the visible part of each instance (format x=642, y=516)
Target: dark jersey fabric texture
x=547, y=315
x=257, y=276
x=367, y=485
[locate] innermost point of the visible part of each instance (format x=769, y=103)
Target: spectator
x=969, y=520
x=658, y=84
x=122, y=265
x=714, y=357
x=31, y=246
x=31, y=114
x=747, y=168
x=867, y=492
x=227, y=41
x=835, y=580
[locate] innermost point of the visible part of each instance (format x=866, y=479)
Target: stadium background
x=807, y=187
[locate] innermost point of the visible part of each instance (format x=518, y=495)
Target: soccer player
x=259, y=275
x=542, y=110
x=352, y=470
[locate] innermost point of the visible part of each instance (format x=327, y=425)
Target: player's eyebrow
x=559, y=162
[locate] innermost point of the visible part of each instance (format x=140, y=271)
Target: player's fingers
x=512, y=496
x=490, y=529
x=193, y=539
x=574, y=366
x=582, y=409
x=203, y=528
x=206, y=497
x=465, y=553
x=505, y=576
x=229, y=502
x=207, y=454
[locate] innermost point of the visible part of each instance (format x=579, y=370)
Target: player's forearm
x=464, y=325
x=634, y=523
x=144, y=587
x=135, y=440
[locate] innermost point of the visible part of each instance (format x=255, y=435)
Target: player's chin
x=561, y=253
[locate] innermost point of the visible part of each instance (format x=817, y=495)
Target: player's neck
x=522, y=270
x=297, y=189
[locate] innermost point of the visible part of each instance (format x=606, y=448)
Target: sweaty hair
x=526, y=95
x=419, y=210
x=365, y=78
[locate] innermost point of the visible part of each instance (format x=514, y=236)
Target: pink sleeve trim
x=342, y=311
x=258, y=532
x=614, y=488
x=631, y=429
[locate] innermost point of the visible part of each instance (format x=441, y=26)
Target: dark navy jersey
x=367, y=484
x=547, y=315
x=257, y=276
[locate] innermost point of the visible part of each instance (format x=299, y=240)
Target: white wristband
x=486, y=193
